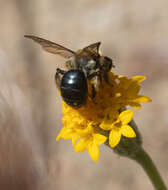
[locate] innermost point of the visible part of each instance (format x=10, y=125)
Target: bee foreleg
x=94, y=75
x=95, y=79
x=93, y=91
x=106, y=78
x=95, y=84
x=58, y=77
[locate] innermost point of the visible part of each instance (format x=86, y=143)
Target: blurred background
x=134, y=34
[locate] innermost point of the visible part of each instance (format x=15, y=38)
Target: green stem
x=145, y=161
x=132, y=148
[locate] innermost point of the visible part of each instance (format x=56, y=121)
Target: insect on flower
x=83, y=65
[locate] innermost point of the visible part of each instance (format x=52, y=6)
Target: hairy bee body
x=83, y=65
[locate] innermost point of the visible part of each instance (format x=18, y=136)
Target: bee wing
x=94, y=48
x=52, y=47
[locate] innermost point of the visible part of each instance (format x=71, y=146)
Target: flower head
x=119, y=127
x=128, y=91
x=100, y=119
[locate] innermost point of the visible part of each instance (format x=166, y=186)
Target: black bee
x=83, y=65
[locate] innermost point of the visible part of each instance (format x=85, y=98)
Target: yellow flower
x=128, y=91
x=90, y=139
x=85, y=125
x=68, y=133
x=83, y=137
x=119, y=127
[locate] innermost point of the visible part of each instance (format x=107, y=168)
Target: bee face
x=85, y=63
x=88, y=61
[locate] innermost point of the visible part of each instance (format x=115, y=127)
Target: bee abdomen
x=74, y=88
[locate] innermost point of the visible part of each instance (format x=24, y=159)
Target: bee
x=85, y=64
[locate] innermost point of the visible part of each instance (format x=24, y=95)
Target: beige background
x=134, y=34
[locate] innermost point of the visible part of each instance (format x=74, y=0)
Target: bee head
x=106, y=63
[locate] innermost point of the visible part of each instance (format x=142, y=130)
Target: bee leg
x=58, y=77
x=95, y=86
x=93, y=92
x=106, y=78
x=95, y=79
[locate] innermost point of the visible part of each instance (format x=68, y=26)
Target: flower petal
x=127, y=131
x=65, y=133
x=132, y=90
x=85, y=131
x=93, y=150
x=81, y=145
x=140, y=99
x=99, y=139
x=135, y=105
x=59, y=136
x=114, y=137
x=68, y=133
x=139, y=79
x=126, y=116
x=74, y=139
